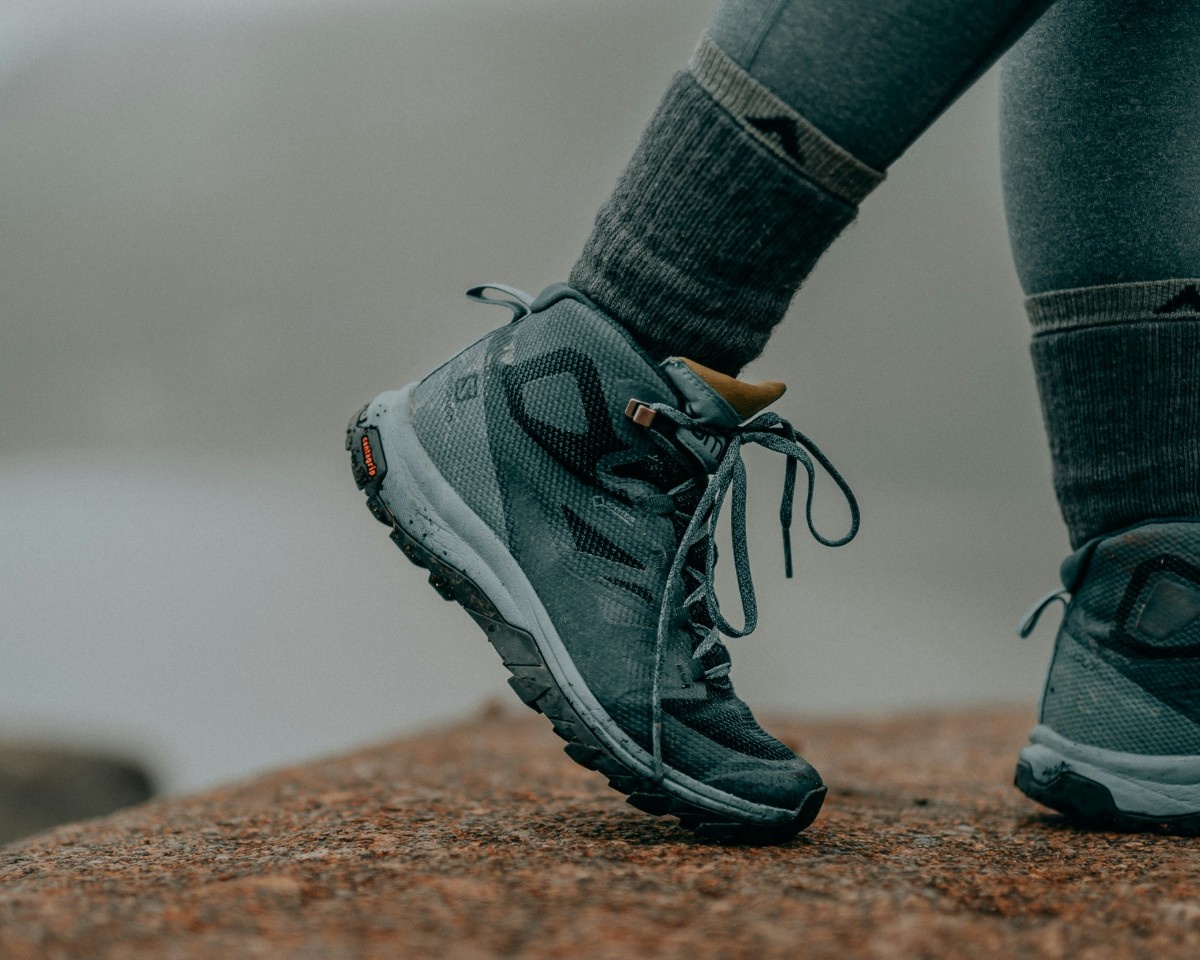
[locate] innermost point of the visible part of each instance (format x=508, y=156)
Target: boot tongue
x=715, y=400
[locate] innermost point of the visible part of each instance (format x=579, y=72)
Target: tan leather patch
x=746, y=398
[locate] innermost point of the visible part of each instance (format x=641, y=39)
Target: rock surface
x=483, y=840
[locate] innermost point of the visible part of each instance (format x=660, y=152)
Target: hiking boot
x=1117, y=744
x=563, y=488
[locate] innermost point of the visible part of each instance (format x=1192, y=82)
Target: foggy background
x=226, y=224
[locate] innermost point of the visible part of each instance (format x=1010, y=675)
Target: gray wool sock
x=1118, y=370
x=728, y=202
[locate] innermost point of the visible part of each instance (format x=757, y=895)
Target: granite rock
x=483, y=840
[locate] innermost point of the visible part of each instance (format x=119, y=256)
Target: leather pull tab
x=519, y=305
x=745, y=398
x=1029, y=622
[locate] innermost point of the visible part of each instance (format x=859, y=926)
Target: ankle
x=1118, y=369
x=728, y=202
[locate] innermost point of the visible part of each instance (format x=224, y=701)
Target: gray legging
x=1099, y=132
x=732, y=196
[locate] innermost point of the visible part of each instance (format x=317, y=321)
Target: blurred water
x=228, y=225
x=225, y=616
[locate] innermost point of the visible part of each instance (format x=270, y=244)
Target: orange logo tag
x=367, y=458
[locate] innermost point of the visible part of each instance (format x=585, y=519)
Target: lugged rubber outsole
x=1091, y=804
x=534, y=684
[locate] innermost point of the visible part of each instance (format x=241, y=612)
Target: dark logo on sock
x=783, y=131
x=1187, y=299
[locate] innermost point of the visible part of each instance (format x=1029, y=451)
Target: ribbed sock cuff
x=726, y=205
x=1118, y=370
x=779, y=128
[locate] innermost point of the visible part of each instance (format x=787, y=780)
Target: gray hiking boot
x=1117, y=744
x=562, y=487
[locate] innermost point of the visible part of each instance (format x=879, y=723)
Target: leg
x=1101, y=163
x=1102, y=183
x=562, y=480
x=759, y=154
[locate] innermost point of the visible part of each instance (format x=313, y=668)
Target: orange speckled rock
x=483, y=840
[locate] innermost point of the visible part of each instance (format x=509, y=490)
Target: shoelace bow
x=768, y=430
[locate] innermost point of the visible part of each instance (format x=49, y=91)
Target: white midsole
x=433, y=513
x=1153, y=786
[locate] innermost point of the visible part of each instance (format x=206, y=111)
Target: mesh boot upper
x=1126, y=668
x=529, y=427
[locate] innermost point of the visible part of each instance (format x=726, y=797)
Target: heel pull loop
x=519, y=306
x=1029, y=622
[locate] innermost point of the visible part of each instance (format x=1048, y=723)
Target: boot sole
x=1107, y=790
x=533, y=655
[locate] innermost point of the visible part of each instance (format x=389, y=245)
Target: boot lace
x=768, y=430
